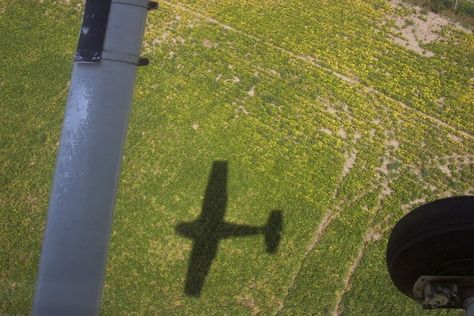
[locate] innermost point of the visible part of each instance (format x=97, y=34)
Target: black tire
x=434, y=239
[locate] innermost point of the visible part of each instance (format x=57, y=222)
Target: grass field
x=321, y=109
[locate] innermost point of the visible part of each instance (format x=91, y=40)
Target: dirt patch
x=329, y=108
x=349, y=163
x=334, y=107
x=454, y=138
x=445, y=169
x=178, y=40
x=342, y=133
x=277, y=74
x=326, y=131
x=208, y=44
x=250, y=303
x=394, y=144
x=412, y=204
x=353, y=80
x=440, y=102
x=251, y=92
x=163, y=38
x=241, y=109
x=418, y=28
x=386, y=190
x=356, y=136
x=384, y=166
x=373, y=234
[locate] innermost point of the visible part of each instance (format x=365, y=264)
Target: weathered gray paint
x=74, y=252
x=469, y=306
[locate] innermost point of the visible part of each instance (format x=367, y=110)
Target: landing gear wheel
x=435, y=239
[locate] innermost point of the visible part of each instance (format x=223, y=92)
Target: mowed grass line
x=296, y=139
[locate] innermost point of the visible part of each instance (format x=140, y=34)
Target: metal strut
x=74, y=250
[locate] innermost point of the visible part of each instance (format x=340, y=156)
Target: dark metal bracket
x=443, y=291
x=94, y=26
x=90, y=48
x=152, y=5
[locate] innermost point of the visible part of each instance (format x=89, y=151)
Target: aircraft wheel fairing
x=435, y=239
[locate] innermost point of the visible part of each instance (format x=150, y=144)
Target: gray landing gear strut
x=74, y=250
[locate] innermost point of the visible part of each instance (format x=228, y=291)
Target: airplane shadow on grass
x=210, y=228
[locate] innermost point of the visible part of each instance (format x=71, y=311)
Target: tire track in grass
x=313, y=61
x=380, y=227
x=328, y=218
x=372, y=234
x=331, y=282
x=348, y=278
x=381, y=183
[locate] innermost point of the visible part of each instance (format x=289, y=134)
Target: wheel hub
x=443, y=291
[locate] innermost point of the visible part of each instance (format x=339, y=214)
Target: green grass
x=328, y=85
